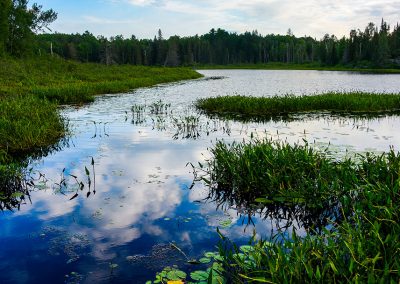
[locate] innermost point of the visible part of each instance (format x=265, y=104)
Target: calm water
x=143, y=201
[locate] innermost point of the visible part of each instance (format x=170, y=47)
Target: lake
x=144, y=199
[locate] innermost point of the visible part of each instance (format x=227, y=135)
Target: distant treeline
x=373, y=47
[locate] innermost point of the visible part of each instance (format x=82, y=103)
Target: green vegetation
x=375, y=47
x=72, y=82
x=30, y=121
x=362, y=246
x=266, y=107
x=32, y=89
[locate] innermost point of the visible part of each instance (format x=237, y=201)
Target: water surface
x=143, y=201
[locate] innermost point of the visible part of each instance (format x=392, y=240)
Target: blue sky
x=143, y=18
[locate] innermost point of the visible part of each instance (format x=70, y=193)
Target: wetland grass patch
x=255, y=108
x=361, y=246
x=32, y=89
x=29, y=121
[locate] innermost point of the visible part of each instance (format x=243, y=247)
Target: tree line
x=375, y=46
x=19, y=25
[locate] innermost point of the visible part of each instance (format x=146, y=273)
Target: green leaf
x=176, y=275
x=246, y=248
x=225, y=223
x=210, y=254
x=205, y=260
x=199, y=275
x=264, y=200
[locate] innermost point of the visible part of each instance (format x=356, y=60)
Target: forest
x=24, y=31
x=376, y=46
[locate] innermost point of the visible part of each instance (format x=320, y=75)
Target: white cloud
x=310, y=17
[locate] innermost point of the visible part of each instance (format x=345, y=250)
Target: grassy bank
x=360, y=247
x=31, y=89
x=335, y=102
x=305, y=66
x=72, y=82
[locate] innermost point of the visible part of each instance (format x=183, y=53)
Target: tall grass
x=361, y=246
x=72, y=82
x=32, y=89
x=334, y=102
x=29, y=121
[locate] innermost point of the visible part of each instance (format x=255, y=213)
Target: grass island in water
x=332, y=102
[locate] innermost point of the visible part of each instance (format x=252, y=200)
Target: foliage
x=254, y=108
x=23, y=23
x=28, y=123
x=375, y=47
x=361, y=246
x=71, y=82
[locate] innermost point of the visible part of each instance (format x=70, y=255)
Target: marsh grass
x=361, y=246
x=254, y=108
x=29, y=121
x=28, y=124
x=31, y=91
x=71, y=82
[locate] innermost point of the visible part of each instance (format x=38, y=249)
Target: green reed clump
x=362, y=249
x=335, y=102
x=292, y=173
x=275, y=171
x=359, y=246
x=28, y=123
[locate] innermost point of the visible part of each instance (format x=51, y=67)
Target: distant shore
x=306, y=66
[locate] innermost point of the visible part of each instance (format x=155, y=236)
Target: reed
x=361, y=246
x=332, y=102
x=31, y=89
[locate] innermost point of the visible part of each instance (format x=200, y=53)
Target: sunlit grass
x=333, y=102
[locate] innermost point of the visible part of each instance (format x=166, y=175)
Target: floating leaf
x=205, y=260
x=210, y=254
x=199, y=275
x=176, y=275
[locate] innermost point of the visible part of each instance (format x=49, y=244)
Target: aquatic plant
x=361, y=246
x=30, y=121
x=159, y=108
x=268, y=107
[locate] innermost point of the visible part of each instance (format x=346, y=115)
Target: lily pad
x=205, y=260
x=176, y=275
x=199, y=275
